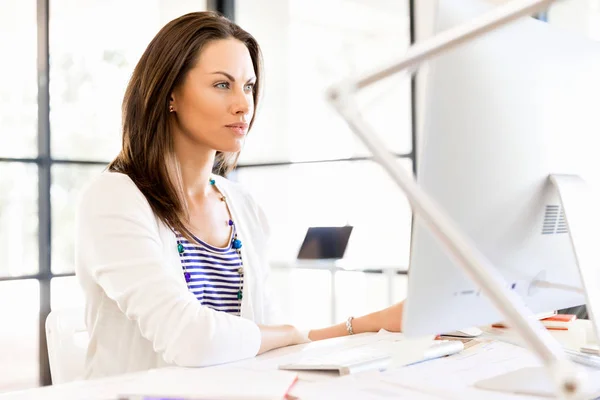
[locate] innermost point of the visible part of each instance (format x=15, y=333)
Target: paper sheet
x=216, y=383
x=449, y=378
x=356, y=387
x=453, y=377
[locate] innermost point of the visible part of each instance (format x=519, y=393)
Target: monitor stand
x=581, y=214
x=536, y=381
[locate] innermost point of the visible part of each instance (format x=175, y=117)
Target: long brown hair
x=147, y=155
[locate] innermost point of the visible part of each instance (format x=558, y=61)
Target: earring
x=171, y=109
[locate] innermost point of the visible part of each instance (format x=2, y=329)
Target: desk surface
x=339, y=265
x=447, y=378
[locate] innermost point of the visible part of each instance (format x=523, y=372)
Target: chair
x=67, y=341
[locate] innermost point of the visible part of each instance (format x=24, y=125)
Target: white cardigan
x=139, y=311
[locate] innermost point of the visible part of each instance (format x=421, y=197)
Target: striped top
x=215, y=273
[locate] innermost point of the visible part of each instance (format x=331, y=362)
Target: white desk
x=448, y=378
x=339, y=265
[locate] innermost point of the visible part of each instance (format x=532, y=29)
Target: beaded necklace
x=236, y=244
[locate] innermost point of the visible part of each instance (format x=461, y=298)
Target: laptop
x=325, y=243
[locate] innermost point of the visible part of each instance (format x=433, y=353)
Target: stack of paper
x=221, y=383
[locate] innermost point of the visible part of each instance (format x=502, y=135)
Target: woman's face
x=214, y=104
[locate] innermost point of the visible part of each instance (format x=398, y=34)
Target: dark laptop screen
x=325, y=243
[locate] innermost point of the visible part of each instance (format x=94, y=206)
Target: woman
x=172, y=258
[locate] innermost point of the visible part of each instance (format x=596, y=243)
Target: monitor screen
x=325, y=243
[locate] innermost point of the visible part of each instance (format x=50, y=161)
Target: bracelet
x=349, y=326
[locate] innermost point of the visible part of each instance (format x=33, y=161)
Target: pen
x=142, y=397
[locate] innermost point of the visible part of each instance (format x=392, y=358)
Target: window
x=67, y=182
x=65, y=292
x=93, y=46
x=93, y=52
x=49, y=151
x=18, y=80
x=18, y=219
x=577, y=16
x=305, y=51
x=303, y=164
x=19, y=339
x=356, y=193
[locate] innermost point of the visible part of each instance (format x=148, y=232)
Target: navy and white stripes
x=215, y=274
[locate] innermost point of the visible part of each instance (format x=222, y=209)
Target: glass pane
x=67, y=181
x=18, y=219
x=359, y=293
x=94, y=46
x=66, y=293
x=289, y=291
x=399, y=288
x=18, y=80
x=305, y=53
x=582, y=17
x=334, y=194
x=19, y=364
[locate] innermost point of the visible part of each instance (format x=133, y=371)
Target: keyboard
x=589, y=360
x=365, y=358
x=442, y=348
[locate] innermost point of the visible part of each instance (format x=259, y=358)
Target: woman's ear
x=172, y=104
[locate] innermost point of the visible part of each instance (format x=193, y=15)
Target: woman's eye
x=250, y=87
x=222, y=85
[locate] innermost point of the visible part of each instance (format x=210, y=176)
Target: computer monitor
x=503, y=112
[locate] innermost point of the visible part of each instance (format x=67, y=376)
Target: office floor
x=304, y=298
